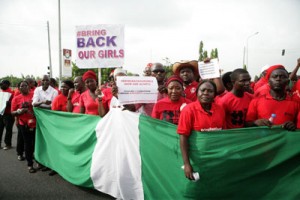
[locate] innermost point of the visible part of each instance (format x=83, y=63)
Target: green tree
x=203, y=53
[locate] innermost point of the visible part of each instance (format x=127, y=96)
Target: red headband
x=271, y=69
x=174, y=78
x=89, y=74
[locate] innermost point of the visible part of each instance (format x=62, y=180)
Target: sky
x=154, y=30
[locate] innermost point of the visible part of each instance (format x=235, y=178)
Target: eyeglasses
x=158, y=70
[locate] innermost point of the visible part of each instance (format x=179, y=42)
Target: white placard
x=4, y=97
x=100, y=46
x=210, y=69
x=134, y=89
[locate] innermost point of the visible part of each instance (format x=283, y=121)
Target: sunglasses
x=158, y=70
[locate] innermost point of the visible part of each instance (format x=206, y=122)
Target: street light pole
x=246, y=50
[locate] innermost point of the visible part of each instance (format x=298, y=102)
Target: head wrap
x=271, y=69
x=89, y=74
x=174, y=78
x=119, y=71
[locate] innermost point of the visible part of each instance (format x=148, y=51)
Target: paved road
x=16, y=183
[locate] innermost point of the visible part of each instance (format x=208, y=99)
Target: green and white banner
x=131, y=156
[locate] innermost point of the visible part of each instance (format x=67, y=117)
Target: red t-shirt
x=90, y=104
x=264, y=106
x=194, y=117
x=8, y=107
x=60, y=103
x=296, y=91
x=107, y=96
x=235, y=109
x=75, y=102
x=167, y=110
x=21, y=101
x=190, y=91
x=263, y=90
x=262, y=81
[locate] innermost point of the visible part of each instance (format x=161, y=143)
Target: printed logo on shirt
x=171, y=116
x=288, y=114
x=237, y=117
x=210, y=129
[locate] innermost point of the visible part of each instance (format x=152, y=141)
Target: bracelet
x=19, y=111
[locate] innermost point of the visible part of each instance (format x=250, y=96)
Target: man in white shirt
x=44, y=95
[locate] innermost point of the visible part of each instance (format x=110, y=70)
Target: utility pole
x=59, y=43
x=49, y=49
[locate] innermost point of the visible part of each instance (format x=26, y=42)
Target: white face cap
x=119, y=71
x=264, y=68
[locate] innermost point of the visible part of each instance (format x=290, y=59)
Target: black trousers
x=20, y=142
x=29, y=139
x=7, y=122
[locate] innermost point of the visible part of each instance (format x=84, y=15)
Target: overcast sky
x=154, y=30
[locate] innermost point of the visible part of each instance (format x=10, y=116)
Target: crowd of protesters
x=184, y=99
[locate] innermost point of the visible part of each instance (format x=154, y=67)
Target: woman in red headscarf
x=169, y=108
x=90, y=101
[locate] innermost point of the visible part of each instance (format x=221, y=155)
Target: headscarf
x=89, y=74
x=271, y=69
x=174, y=78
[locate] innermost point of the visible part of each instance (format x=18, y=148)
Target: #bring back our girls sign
x=100, y=46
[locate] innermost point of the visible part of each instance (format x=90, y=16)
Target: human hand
x=298, y=62
x=206, y=60
x=289, y=125
x=262, y=122
x=114, y=91
x=188, y=171
x=47, y=102
x=71, y=91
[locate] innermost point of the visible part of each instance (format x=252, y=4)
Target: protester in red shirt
x=201, y=115
x=74, y=95
x=147, y=71
x=263, y=80
x=22, y=108
x=169, y=108
x=60, y=101
x=6, y=120
x=188, y=71
x=275, y=102
x=159, y=72
x=236, y=102
x=89, y=101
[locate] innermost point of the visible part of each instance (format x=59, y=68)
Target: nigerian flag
x=131, y=156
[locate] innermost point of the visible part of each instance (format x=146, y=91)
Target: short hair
x=24, y=81
x=226, y=78
x=68, y=83
x=208, y=81
x=6, y=82
x=235, y=74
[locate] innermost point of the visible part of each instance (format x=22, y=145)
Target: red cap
x=89, y=74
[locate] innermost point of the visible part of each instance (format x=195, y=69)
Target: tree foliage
x=203, y=53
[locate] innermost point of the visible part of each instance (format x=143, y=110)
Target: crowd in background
x=229, y=101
